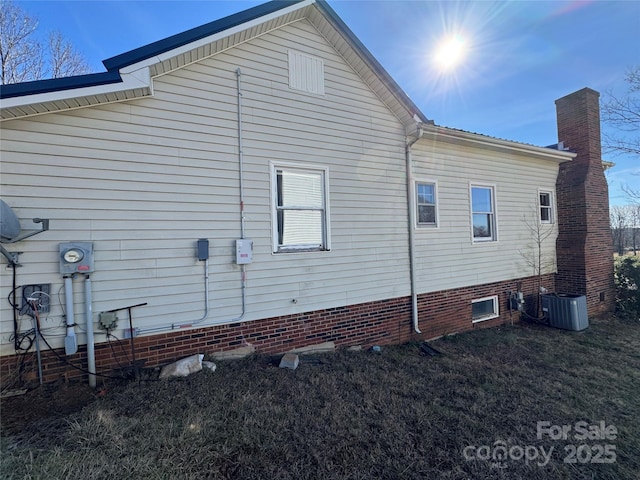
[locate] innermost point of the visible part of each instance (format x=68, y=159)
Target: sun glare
x=450, y=53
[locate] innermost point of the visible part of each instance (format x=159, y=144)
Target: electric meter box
x=76, y=257
x=244, y=251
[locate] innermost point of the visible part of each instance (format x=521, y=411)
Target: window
x=483, y=214
x=306, y=73
x=426, y=204
x=300, y=211
x=484, y=309
x=546, y=208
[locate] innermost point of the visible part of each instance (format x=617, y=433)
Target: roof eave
x=459, y=137
x=202, y=32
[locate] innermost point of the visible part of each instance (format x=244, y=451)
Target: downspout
x=242, y=236
x=411, y=224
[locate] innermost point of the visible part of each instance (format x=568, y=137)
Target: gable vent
x=306, y=73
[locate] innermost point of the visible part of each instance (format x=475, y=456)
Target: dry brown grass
x=359, y=415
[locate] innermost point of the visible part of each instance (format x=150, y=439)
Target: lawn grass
x=397, y=414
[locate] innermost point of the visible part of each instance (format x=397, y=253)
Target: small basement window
x=484, y=309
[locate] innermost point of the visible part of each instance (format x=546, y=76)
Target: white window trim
x=426, y=226
x=496, y=309
x=273, y=166
x=494, y=196
x=552, y=207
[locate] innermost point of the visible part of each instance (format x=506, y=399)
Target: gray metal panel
x=566, y=311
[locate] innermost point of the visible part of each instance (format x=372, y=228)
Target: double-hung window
x=546, y=207
x=483, y=213
x=426, y=204
x=300, y=209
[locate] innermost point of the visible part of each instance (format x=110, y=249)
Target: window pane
x=482, y=227
x=426, y=214
x=426, y=193
x=545, y=199
x=481, y=199
x=545, y=214
x=481, y=309
x=300, y=227
x=302, y=189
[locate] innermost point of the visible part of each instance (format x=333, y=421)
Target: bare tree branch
x=24, y=58
x=623, y=114
x=20, y=54
x=64, y=60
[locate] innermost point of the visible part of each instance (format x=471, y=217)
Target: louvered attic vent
x=306, y=73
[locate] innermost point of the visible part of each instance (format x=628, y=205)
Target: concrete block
x=325, y=347
x=209, y=365
x=183, y=367
x=236, y=354
x=290, y=360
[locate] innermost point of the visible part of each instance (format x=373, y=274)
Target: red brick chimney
x=585, y=244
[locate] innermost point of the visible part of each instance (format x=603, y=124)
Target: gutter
x=411, y=222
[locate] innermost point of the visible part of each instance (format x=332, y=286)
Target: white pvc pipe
x=70, y=341
x=91, y=358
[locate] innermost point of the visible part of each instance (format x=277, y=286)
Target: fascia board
x=437, y=133
x=132, y=80
x=214, y=37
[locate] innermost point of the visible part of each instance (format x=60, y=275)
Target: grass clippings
x=396, y=414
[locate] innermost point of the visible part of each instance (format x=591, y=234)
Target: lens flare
x=450, y=53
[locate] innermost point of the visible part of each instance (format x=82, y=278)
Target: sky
x=520, y=55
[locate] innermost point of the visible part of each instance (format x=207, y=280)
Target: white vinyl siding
x=306, y=73
x=446, y=258
x=484, y=309
x=144, y=180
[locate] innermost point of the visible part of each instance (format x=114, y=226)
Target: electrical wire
x=115, y=356
x=62, y=359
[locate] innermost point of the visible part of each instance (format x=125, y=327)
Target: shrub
x=627, y=277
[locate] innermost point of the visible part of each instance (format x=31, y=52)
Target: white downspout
x=91, y=357
x=412, y=215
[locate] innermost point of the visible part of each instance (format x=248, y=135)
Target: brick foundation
x=376, y=323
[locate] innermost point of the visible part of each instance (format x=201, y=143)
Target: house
x=262, y=181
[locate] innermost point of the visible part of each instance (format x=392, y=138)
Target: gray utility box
x=566, y=311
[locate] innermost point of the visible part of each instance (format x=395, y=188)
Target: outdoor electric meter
x=76, y=257
x=73, y=255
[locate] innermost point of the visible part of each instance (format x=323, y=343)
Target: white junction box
x=244, y=251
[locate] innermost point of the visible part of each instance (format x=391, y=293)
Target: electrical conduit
x=243, y=272
x=70, y=341
x=91, y=358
